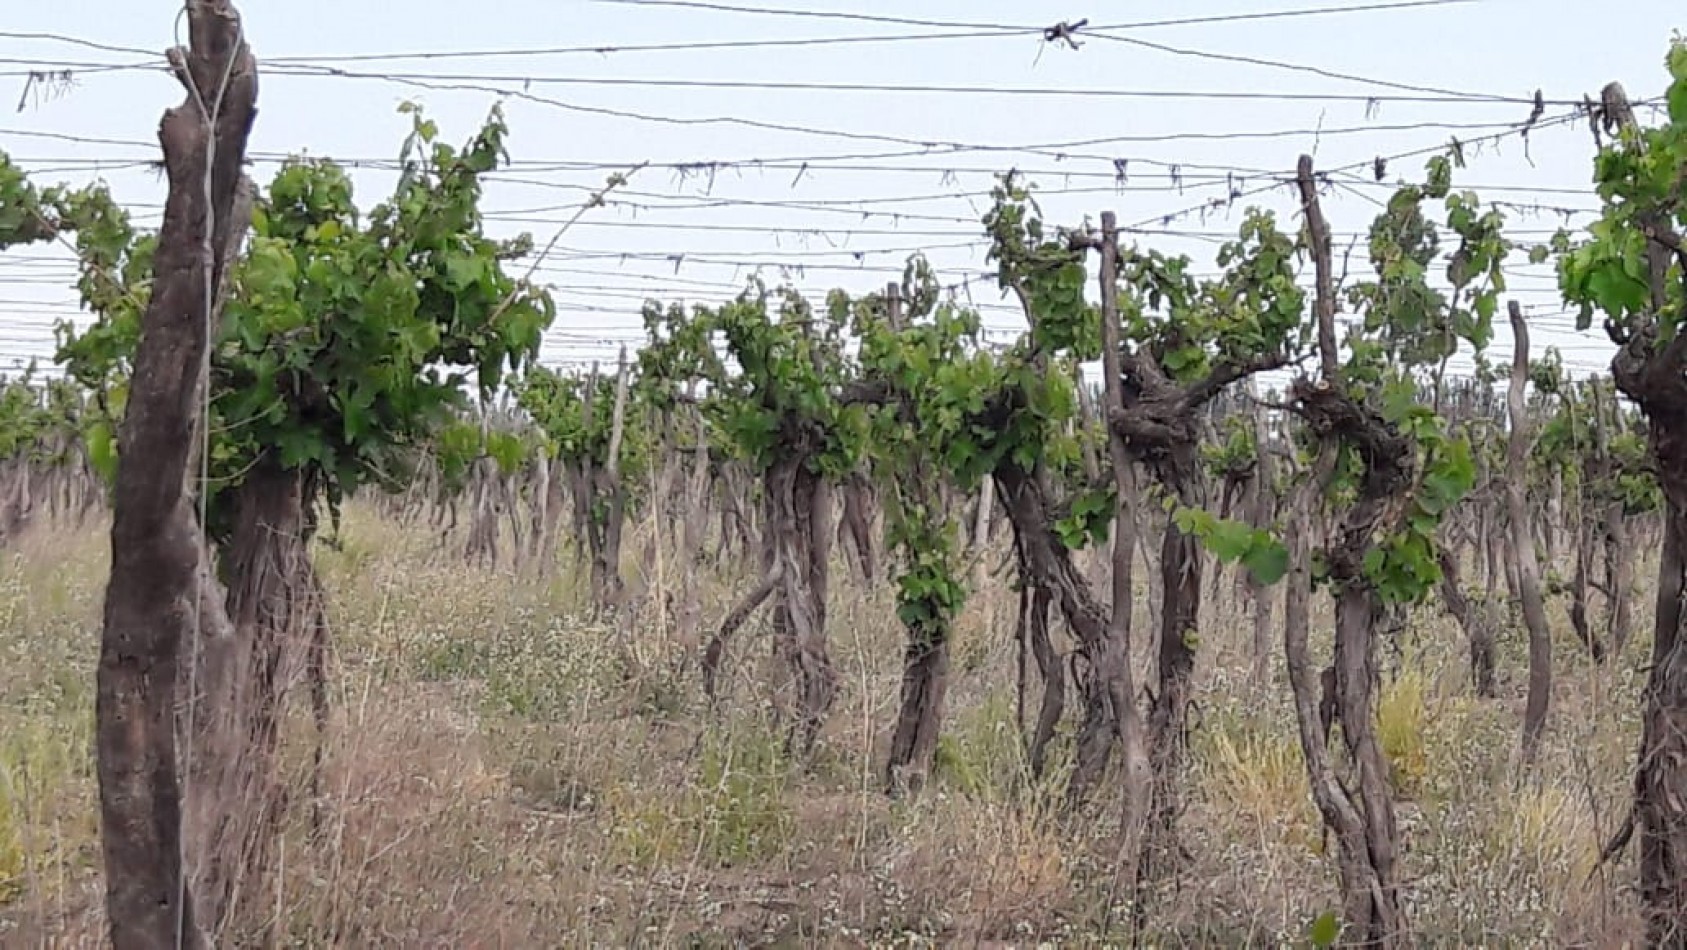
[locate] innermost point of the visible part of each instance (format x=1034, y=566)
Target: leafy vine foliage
x=576, y=413
x=346, y=346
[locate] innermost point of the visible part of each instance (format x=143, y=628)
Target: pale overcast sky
x=819, y=199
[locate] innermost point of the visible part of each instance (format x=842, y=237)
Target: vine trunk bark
x=1109, y=714
x=797, y=533
x=1168, y=720
x=158, y=581
x=925, y=680
x=275, y=606
x=1660, y=781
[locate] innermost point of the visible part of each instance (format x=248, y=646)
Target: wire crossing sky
x=820, y=142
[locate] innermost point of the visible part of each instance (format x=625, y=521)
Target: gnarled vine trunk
x=1658, y=384
x=1109, y=715
x=608, y=492
x=1180, y=591
x=481, y=546
x=856, y=525
x=1361, y=881
x=1581, y=581
x=1035, y=644
x=925, y=679
x=1619, y=576
x=549, y=498
x=1613, y=530
x=694, y=527
x=275, y=606
x=1660, y=781
x=798, y=530
x=1476, y=620
x=1374, y=914
x=1650, y=367
x=1157, y=422
x=1376, y=918
x=17, y=501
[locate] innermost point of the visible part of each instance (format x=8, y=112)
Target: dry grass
x=503, y=772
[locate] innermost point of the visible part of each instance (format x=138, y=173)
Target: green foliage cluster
x=1406, y=320
x=558, y=404
x=349, y=344
x=1403, y=566
x=40, y=421
x=114, y=281
x=1046, y=270
x=1638, y=179
x=1252, y=312
x=1409, y=327
x=1032, y=390
x=1187, y=338
x=1234, y=452
x=973, y=412
x=1256, y=549
x=939, y=376
x=1633, y=481
x=470, y=436
x=781, y=401
x=936, y=376
x=1088, y=518
x=1622, y=471
x=22, y=417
